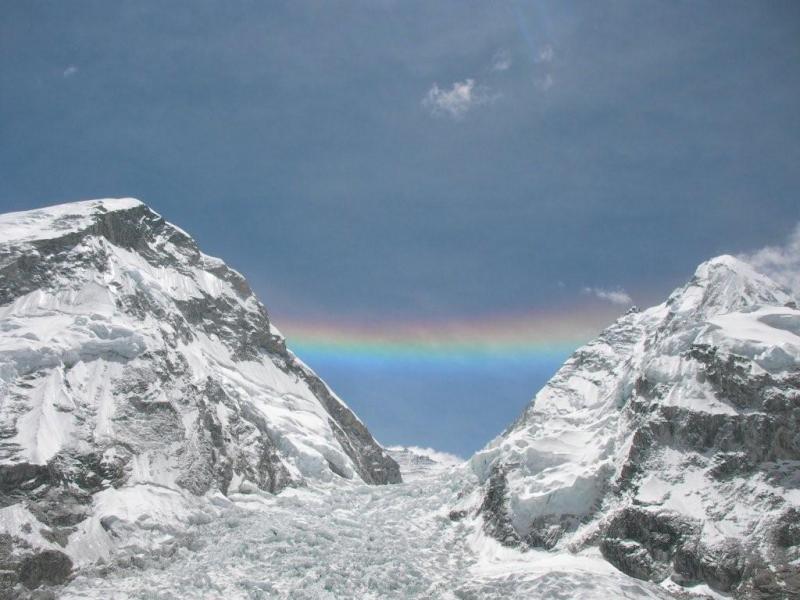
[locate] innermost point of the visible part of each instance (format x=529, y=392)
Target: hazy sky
x=419, y=161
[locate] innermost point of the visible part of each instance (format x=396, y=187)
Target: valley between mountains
x=159, y=440
x=353, y=541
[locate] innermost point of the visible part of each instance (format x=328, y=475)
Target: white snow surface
x=73, y=340
x=352, y=541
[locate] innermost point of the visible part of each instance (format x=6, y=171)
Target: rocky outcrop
x=494, y=509
x=644, y=543
x=49, y=567
x=23, y=568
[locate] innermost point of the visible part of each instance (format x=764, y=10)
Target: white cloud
x=618, y=296
x=446, y=458
x=546, y=54
x=781, y=263
x=70, y=71
x=458, y=100
x=501, y=61
x=545, y=83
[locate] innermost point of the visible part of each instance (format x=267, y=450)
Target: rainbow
x=539, y=336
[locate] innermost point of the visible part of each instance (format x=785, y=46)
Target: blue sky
x=389, y=161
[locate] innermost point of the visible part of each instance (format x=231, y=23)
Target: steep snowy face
x=135, y=371
x=672, y=442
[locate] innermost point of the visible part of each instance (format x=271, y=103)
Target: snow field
x=352, y=541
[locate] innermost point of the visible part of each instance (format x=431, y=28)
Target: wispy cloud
x=69, y=71
x=781, y=263
x=544, y=57
x=501, y=60
x=618, y=296
x=546, y=54
x=545, y=83
x=462, y=97
x=446, y=458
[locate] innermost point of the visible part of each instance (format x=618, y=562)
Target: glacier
x=349, y=540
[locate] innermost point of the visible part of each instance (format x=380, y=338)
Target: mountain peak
x=724, y=284
x=726, y=265
x=60, y=219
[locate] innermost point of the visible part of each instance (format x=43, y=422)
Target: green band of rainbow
x=529, y=337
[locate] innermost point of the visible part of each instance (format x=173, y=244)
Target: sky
x=436, y=201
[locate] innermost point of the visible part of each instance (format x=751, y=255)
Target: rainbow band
x=499, y=338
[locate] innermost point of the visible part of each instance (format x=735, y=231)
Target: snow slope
x=139, y=379
x=671, y=442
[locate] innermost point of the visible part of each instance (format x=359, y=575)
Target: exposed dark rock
x=641, y=444
x=686, y=563
x=547, y=530
x=721, y=567
x=731, y=377
x=730, y=464
x=271, y=474
x=18, y=480
x=57, y=535
x=496, y=521
x=10, y=550
x=632, y=558
x=642, y=542
x=761, y=436
x=786, y=532
x=49, y=567
x=61, y=506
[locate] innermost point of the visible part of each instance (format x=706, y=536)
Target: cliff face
x=137, y=372
x=671, y=442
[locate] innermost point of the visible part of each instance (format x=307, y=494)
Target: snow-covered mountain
x=671, y=443
x=141, y=381
x=149, y=413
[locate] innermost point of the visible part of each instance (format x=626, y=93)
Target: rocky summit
x=141, y=379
